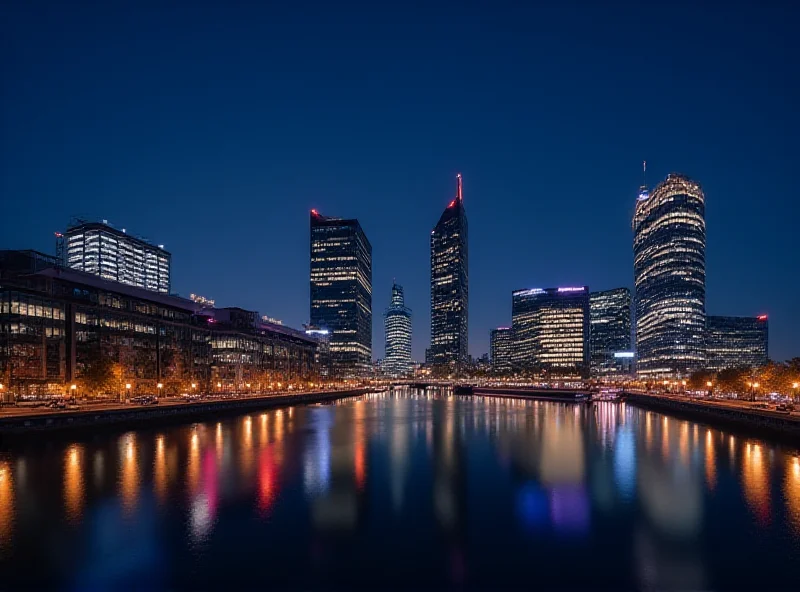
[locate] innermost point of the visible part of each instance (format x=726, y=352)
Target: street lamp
x=710, y=385
x=128, y=389
x=795, y=386
x=159, y=386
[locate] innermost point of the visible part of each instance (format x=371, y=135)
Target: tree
x=699, y=380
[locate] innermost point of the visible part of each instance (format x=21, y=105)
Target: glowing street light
x=194, y=385
x=128, y=386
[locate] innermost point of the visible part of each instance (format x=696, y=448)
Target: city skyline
x=540, y=167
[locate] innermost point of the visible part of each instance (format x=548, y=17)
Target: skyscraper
x=397, y=323
x=341, y=291
x=737, y=342
x=450, y=285
x=610, y=331
x=551, y=330
x=500, y=346
x=669, y=247
x=102, y=250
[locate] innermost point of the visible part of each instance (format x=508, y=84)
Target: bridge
x=522, y=392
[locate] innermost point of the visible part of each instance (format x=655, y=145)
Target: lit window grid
x=341, y=292
x=669, y=270
x=450, y=288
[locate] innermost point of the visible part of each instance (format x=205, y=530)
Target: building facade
x=323, y=355
x=341, y=291
x=450, y=285
x=610, y=332
x=60, y=326
x=397, y=324
x=669, y=247
x=551, y=331
x=737, y=342
x=500, y=346
x=114, y=255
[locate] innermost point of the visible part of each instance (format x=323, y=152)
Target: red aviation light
x=315, y=212
x=452, y=204
x=762, y=317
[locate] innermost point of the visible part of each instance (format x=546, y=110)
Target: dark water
x=405, y=490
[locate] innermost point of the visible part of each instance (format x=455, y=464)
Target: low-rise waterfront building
x=59, y=327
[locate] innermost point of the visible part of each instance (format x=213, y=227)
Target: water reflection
x=791, y=489
x=73, y=482
x=755, y=482
x=129, y=473
x=6, y=507
x=450, y=485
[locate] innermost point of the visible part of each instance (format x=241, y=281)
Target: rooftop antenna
x=458, y=194
x=644, y=173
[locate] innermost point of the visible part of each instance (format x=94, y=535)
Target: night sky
x=214, y=128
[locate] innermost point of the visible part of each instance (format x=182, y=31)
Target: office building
x=60, y=326
x=500, y=344
x=397, y=325
x=737, y=342
x=100, y=249
x=450, y=285
x=610, y=332
x=669, y=247
x=341, y=291
x=323, y=351
x=551, y=331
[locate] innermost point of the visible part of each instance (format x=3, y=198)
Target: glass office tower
x=450, y=285
x=551, y=331
x=669, y=248
x=737, y=342
x=397, y=324
x=102, y=250
x=610, y=331
x=500, y=345
x=341, y=291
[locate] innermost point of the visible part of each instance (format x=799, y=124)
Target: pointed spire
x=459, y=195
x=644, y=173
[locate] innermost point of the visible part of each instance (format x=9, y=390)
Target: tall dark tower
x=450, y=285
x=341, y=291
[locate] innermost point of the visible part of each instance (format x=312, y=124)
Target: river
x=408, y=489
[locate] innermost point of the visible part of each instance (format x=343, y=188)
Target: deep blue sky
x=215, y=127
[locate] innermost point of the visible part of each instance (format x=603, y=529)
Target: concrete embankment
x=136, y=415
x=764, y=423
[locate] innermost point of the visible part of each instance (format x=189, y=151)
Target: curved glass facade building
x=669, y=263
x=397, y=325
